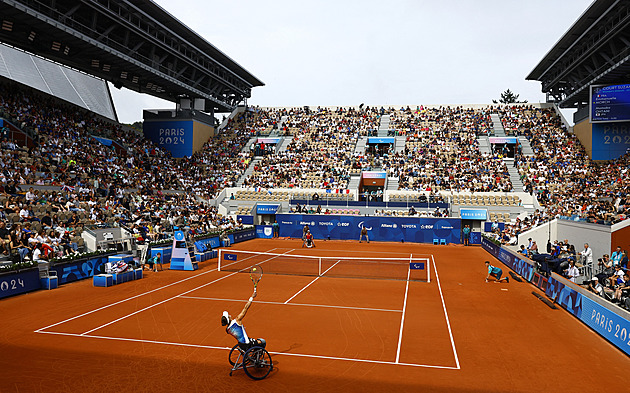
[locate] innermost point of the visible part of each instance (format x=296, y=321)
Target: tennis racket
x=255, y=273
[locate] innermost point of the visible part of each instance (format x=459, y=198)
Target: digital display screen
x=610, y=103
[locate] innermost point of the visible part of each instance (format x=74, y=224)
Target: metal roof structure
x=595, y=50
x=132, y=43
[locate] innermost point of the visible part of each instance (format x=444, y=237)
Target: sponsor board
x=409, y=229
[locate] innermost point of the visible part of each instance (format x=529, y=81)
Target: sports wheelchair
x=255, y=361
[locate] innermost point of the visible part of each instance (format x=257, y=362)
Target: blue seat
x=436, y=242
x=443, y=241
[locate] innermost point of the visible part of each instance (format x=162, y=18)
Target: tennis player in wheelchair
x=236, y=329
x=308, y=240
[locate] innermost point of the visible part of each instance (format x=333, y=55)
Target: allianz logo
x=389, y=226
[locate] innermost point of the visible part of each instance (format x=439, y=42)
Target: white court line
x=163, y=301
x=309, y=284
x=402, y=319
x=292, y=304
x=125, y=300
x=448, y=322
x=273, y=353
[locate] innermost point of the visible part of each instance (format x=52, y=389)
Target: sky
x=395, y=52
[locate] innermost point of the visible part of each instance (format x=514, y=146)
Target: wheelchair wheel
x=257, y=363
x=233, y=355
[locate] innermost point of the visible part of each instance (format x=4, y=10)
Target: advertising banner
x=104, y=141
x=19, y=282
x=473, y=214
x=503, y=139
x=268, y=141
x=610, y=140
x=266, y=209
x=264, y=231
x=242, y=235
x=373, y=139
x=409, y=229
x=374, y=175
x=79, y=270
x=611, y=323
x=175, y=136
x=246, y=219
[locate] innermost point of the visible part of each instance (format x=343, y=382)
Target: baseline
x=274, y=353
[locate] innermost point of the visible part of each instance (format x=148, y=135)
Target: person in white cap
x=236, y=329
x=595, y=287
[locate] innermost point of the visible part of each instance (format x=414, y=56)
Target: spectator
x=595, y=287
x=587, y=255
x=572, y=272
x=616, y=256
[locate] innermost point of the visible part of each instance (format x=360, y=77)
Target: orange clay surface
x=163, y=333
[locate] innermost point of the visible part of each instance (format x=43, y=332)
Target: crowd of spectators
x=442, y=151
x=321, y=151
x=565, y=181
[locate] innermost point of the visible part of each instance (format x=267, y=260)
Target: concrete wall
x=584, y=131
x=620, y=236
x=597, y=236
x=577, y=233
x=201, y=133
x=540, y=235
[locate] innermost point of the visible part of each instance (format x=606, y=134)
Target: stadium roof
x=132, y=43
x=595, y=50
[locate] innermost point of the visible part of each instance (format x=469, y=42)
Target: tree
x=507, y=97
x=137, y=125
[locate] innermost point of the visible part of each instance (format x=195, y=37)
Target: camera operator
x=594, y=286
x=606, y=265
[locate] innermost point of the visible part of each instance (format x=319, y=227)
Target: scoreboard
x=610, y=103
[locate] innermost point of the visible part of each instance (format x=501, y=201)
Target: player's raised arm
x=239, y=318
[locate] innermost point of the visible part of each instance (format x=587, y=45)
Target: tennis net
x=406, y=268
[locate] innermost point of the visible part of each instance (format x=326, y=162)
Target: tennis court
x=330, y=332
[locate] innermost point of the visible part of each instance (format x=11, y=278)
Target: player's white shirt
x=238, y=332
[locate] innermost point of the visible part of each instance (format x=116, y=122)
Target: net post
x=428, y=269
x=319, y=268
x=219, y=261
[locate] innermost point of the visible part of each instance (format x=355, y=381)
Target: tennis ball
x=253, y=269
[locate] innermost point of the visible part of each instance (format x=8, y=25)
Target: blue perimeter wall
x=612, y=323
x=381, y=228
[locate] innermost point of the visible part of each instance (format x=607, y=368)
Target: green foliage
x=137, y=125
x=507, y=97
x=492, y=239
x=17, y=266
x=83, y=255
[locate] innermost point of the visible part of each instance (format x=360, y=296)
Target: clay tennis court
x=163, y=333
